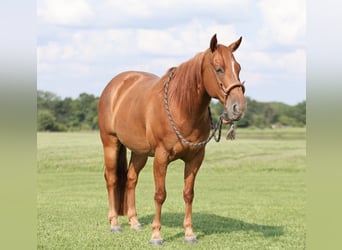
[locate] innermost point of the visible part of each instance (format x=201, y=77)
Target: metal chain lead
x=218, y=125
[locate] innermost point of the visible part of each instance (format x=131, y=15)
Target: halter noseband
x=226, y=91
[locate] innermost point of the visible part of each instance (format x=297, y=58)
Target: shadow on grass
x=207, y=224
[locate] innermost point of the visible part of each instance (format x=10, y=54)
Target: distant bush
x=55, y=114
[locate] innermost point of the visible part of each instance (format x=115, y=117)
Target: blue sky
x=83, y=44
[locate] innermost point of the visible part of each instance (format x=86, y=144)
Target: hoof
x=116, y=229
x=156, y=242
x=190, y=240
x=137, y=227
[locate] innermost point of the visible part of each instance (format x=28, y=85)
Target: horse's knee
x=188, y=195
x=160, y=196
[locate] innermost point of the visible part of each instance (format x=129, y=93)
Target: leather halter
x=226, y=91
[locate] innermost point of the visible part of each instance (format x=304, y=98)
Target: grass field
x=249, y=194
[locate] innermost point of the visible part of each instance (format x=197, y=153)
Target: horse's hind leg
x=111, y=148
x=137, y=162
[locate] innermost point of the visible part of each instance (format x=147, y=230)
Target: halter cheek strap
x=226, y=91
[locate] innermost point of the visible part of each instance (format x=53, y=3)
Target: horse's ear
x=235, y=45
x=213, y=43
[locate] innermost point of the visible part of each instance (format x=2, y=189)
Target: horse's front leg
x=159, y=171
x=190, y=171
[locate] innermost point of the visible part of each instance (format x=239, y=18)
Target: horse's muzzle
x=234, y=111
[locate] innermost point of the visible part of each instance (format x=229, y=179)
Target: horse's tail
x=121, y=173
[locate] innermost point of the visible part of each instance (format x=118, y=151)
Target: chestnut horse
x=166, y=118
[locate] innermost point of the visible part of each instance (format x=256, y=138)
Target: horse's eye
x=219, y=70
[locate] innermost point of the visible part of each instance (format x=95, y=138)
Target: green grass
x=249, y=194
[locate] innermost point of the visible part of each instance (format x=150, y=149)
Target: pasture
x=249, y=194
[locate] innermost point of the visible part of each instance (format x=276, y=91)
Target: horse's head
x=221, y=78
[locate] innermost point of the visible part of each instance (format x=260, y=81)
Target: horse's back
x=121, y=82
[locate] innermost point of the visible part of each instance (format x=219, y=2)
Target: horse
x=166, y=118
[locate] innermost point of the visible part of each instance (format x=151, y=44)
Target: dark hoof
x=156, y=242
x=116, y=229
x=137, y=227
x=190, y=240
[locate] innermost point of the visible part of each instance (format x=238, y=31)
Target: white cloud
x=110, y=44
x=136, y=13
x=129, y=8
x=283, y=22
x=64, y=12
x=293, y=62
x=49, y=52
x=191, y=39
x=89, y=46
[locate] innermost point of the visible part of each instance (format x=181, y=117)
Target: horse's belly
x=134, y=142
x=131, y=132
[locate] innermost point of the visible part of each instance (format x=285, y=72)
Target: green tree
x=46, y=120
x=84, y=110
x=46, y=100
x=63, y=111
x=299, y=113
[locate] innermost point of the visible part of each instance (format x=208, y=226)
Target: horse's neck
x=188, y=97
x=200, y=104
x=196, y=110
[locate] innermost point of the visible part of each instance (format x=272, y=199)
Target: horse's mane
x=184, y=84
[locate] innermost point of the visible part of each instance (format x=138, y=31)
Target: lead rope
x=231, y=132
x=218, y=125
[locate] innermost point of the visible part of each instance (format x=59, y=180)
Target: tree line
x=68, y=114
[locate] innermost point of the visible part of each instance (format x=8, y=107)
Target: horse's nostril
x=235, y=107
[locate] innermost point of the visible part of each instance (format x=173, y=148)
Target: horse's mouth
x=226, y=119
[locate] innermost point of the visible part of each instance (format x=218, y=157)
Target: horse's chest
x=184, y=152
